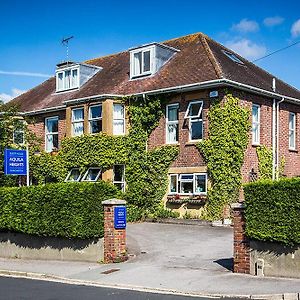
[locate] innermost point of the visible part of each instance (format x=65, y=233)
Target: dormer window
x=148, y=59
x=67, y=79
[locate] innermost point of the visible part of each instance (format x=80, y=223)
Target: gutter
x=44, y=110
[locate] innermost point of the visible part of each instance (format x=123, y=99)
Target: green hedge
x=273, y=210
x=71, y=210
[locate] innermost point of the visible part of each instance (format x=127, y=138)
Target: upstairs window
x=141, y=62
x=95, y=118
x=255, y=124
x=194, y=115
x=18, y=133
x=172, y=123
x=77, y=121
x=67, y=79
x=119, y=177
x=51, y=134
x=195, y=183
x=292, y=131
x=119, y=119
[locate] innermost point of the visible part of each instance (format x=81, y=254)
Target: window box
x=193, y=199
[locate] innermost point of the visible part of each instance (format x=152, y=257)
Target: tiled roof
x=199, y=59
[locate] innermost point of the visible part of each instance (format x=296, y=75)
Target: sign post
x=16, y=162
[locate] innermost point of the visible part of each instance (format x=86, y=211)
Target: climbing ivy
x=224, y=152
x=146, y=171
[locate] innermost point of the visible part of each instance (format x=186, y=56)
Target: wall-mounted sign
x=15, y=162
x=120, y=217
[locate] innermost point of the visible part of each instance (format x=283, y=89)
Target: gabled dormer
x=146, y=60
x=70, y=75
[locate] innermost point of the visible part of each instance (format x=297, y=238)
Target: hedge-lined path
x=182, y=258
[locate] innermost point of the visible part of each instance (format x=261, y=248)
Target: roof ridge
x=212, y=58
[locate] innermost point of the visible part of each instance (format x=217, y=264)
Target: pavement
x=182, y=259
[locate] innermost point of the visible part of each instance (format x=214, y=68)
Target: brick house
x=83, y=98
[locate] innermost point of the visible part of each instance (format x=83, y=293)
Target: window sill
x=293, y=150
x=256, y=145
x=183, y=198
x=193, y=142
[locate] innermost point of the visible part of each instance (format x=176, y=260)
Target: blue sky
x=31, y=32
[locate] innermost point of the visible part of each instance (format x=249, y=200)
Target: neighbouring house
x=190, y=71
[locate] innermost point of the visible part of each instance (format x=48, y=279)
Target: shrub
x=71, y=210
x=273, y=210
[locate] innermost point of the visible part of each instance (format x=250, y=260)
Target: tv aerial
x=65, y=42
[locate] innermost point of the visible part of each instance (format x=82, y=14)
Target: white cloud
x=247, y=48
x=273, y=21
x=17, y=73
x=295, y=30
x=246, y=25
x=14, y=93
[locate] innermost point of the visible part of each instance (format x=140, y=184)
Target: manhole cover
x=110, y=271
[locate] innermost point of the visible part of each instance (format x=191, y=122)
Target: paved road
x=26, y=289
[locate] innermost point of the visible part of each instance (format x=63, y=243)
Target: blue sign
x=15, y=162
x=120, y=217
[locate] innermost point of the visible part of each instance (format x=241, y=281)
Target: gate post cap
x=238, y=205
x=114, y=201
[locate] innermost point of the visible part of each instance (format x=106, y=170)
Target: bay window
x=118, y=119
x=188, y=184
x=292, y=131
x=95, y=118
x=255, y=124
x=77, y=121
x=51, y=134
x=194, y=115
x=172, y=123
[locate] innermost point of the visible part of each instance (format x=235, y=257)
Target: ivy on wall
x=146, y=171
x=224, y=152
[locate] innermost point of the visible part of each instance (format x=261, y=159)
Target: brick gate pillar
x=241, y=244
x=114, y=231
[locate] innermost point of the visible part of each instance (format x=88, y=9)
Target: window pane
x=291, y=121
x=186, y=187
x=74, y=82
x=92, y=174
x=172, y=113
x=120, y=186
x=194, y=109
x=51, y=142
x=74, y=175
x=118, y=127
x=187, y=177
x=18, y=137
x=60, y=81
x=95, y=126
x=196, y=129
x=78, y=128
x=255, y=115
x=292, y=139
x=172, y=133
x=118, y=172
x=200, y=184
x=146, y=61
x=137, y=63
x=95, y=112
x=77, y=114
x=173, y=184
x=52, y=125
x=118, y=111
x=67, y=79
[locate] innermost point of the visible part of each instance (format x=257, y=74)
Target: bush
x=71, y=210
x=273, y=210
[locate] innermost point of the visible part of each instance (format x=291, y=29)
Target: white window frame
x=50, y=133
x=94, y=119
x=292, y=130
x=132, y=61
x=69, y=174
x=256, y=123
x=63, y=71
x=77, y=121
x=115, y=119
x=87, y=171
x=19, y=130
x=171, y=123
x=179, y=181
x=123, y=176
x=194, y=119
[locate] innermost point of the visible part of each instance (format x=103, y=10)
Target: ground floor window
x=194, y=183
x=119, y=177
x=74, y=175
x=92, y=174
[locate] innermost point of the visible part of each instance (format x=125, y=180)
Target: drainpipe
x=274, y=133
x=277, y=138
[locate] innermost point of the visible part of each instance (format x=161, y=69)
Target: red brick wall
x=39, y=126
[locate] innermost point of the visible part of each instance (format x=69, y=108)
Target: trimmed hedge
x=273, y=210
x=71, y=210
